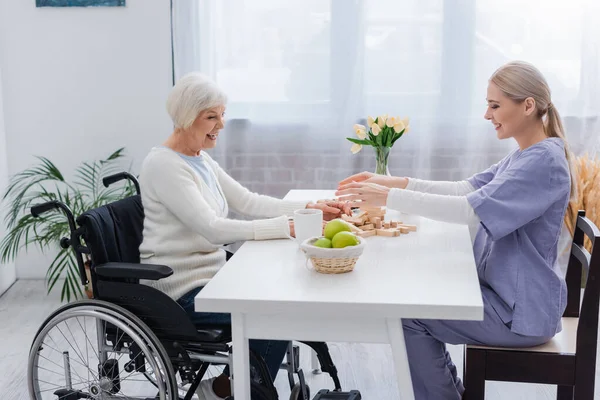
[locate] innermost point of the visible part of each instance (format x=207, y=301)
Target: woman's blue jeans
x=272, y=351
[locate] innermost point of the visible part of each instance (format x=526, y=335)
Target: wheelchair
x=131, y=341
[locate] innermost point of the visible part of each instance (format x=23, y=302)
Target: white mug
x=308, y=223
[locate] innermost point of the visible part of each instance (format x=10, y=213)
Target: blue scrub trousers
x=434, y=375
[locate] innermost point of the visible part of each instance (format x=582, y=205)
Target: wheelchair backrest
x=113, y=232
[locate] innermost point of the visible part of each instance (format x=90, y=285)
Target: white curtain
x=300, y=73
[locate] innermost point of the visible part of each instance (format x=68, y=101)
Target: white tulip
x=391, y=121
x=370, y=121
x=361, y=131
x=375, y=129
x=355, y=148
x=399, y=126
x=381, y=120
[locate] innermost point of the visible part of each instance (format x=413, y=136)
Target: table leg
x=241, y=356
x=396, y=338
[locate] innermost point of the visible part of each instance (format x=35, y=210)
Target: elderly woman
x=187, y=197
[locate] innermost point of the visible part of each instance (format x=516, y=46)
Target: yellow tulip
x=391, y=121
x=370, y=121
x=381, y=120
x=355, y=148
x=375, y=129
x=399, y=126
x=361, y=131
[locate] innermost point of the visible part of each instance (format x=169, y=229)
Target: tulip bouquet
x=381, y=134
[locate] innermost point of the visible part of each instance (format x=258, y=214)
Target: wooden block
x=386, y=225
x=412, y=228
x=360, y=214
x=368, y=227
x=393, y=224
x=367, y=233
x=403, y=230
x=352, y=220
x=385, y=232
x=354, y=228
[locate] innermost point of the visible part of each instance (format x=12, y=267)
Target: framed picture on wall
x=80, y=3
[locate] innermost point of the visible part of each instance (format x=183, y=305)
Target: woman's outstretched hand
x=331, y=208
x=383, y=180
x=363, y=194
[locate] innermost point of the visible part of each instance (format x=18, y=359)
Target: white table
x=272, y=294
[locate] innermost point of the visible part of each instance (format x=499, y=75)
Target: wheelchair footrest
x=325, y=394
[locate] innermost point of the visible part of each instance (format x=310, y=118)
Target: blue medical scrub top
x=521, y=202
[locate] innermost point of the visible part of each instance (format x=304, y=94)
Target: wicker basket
x=332, y=261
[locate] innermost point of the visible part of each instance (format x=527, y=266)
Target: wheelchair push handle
x=109, y=180
x=73, y=240
x=43, y=208
x=39, y=209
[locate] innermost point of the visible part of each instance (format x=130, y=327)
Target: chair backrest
x=113, y=232
x=588, y=263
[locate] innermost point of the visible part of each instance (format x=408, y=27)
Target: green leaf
x=57, y=267
x=389, y=133
x=398, y=136
x=116, y=154
x=364, y=142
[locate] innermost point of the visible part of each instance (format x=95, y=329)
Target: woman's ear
x=529, y=106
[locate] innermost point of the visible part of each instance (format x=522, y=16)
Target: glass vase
x=381, y=159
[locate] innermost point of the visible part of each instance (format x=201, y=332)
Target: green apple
x=335, y=226
x=323, y=242
x=344, y=239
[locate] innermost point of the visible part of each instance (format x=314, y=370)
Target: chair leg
x=564, y=392
x=474, y=377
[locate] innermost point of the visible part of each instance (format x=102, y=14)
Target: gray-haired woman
x=187, y=197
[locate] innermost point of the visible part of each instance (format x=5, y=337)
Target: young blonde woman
x=517, y=207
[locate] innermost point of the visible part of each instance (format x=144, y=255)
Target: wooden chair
x=569, y=359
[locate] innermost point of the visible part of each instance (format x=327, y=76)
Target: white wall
x=7, y=271
x=81, y=82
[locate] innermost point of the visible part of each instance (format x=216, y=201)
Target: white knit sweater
x=184, y=227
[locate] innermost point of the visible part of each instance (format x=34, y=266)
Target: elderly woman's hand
x=331, y=208
x=361, y=194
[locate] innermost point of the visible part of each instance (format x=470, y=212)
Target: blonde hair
x=192, y=94
x=519, y=80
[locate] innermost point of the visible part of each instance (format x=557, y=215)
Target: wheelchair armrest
x=152, y=272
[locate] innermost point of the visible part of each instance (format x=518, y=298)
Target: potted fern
x=44, y=182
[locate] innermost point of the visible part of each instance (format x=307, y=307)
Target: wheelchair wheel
x=96, y=350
